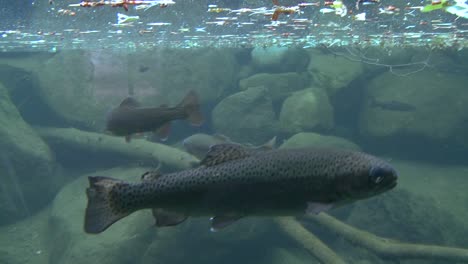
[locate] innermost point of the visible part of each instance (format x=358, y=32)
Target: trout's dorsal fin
x=269, y=145
x=130, y=102
x=220, y=153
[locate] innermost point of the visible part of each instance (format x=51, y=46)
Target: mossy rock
x=333, y=72
x=304, y=139
x=123, y=242
x=279, y=59
x=29, y=178
x=437, y=106
x=246, y=116
x=279, y=85
x=306, y=110
x=164, y=76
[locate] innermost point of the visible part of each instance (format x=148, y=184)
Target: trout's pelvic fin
x=101, y=211
x=221, y=221
x=220, y=153
x=130, y=102
x=167, y=218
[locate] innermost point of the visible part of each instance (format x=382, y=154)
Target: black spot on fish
x=143, y=68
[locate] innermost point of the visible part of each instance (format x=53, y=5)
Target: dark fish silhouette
x=129, y=118
x=392, y=105
x=235, y=182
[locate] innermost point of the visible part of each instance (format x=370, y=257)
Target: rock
x=279, y=59
x=165, y=76
x=289, y=256
x=308, y=109
x=268, y=57
x=82, y=86
x=124, y=242
x=26, y=61
x=29, y=237
x=332, y=72
x=437, y=110
x=246, y=116
x=248, y=232
x=29, y=177
x=316, y=140
x=408, y=217
x=279, y=85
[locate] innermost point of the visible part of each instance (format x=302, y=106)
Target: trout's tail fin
x=102, y=210
x=191, y=106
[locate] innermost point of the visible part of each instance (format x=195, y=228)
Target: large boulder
x=279, y=85
x=333, y=72
x=26, y=241
x=166, y=75
x=423, y=105
x=246, y=116
x=82, y=86
x=303, y=139
x=123, y=242
x=408, y=217
x=29, y=178
x=304, y=110
x=279, y=59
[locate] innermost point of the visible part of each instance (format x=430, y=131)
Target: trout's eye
x=378, y=174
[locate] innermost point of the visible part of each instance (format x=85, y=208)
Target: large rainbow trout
x=234, y=182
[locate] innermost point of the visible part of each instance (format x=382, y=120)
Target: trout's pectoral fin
x=315, y=208
x=163, y=132
x=167, y=218
x=268, y=145
x=220, y=153
x=130, y=102
x=221, y=221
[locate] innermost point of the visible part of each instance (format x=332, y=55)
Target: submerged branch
x=390, y=248
x=309, y=241
x=138, y=149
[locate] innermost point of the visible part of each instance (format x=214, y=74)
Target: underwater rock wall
x=248, y=99
x=29, y=174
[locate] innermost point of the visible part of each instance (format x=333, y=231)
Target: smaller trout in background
x=392, y=105
x=199, y=144
x=129, y=118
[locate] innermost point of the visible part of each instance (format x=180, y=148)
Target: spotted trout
x=235, y=182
